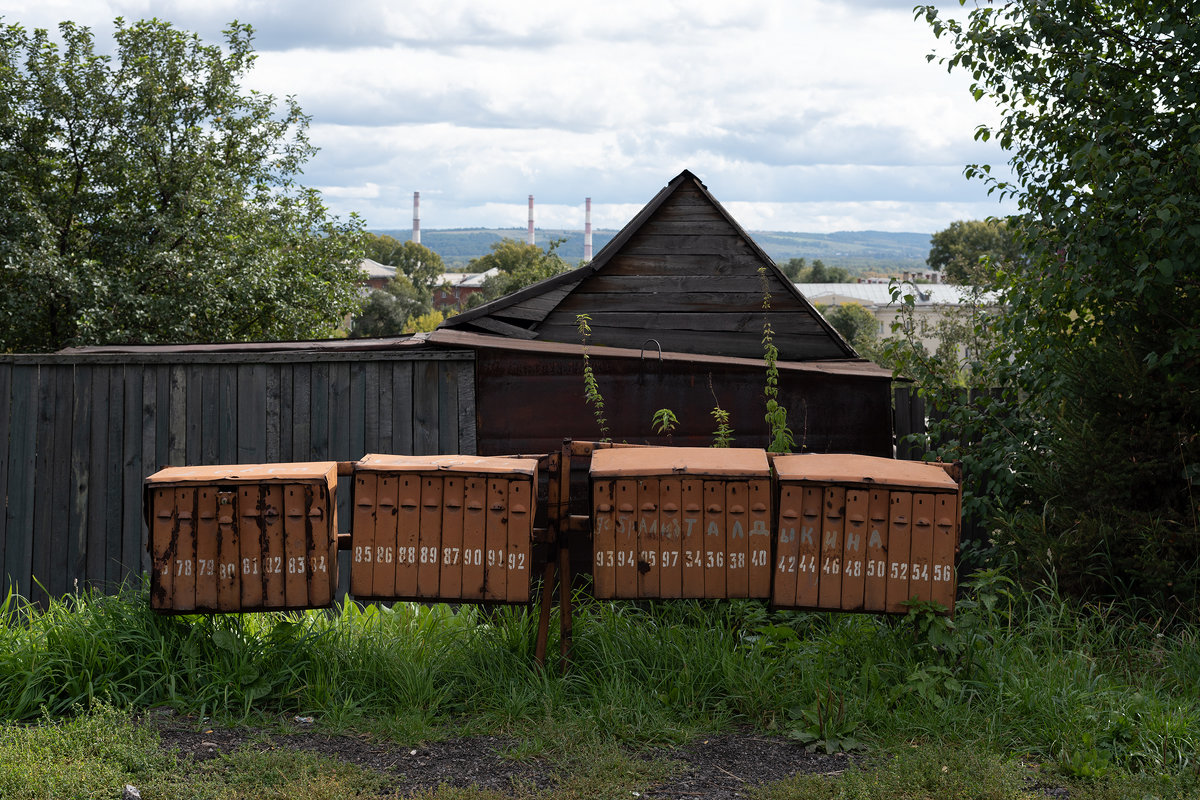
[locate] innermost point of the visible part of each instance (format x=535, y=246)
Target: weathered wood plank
x=43, y=493
x=177, y=417
x=657, y=300
x=701, y=245
x=733, y=322
x=535, y=308
x=162, y=393
x=425, y=410
x=271, y=414
x=132, y=472
x=227, y=415
x=209, y=413
x=447, y=409
x=467, y=441
x=503, y=328
x=657, y=281
x=149, y=425
x=252, y=412
x=402, y=408
x=339, y=412
x=302, y=413
x=384, y=409
x=60, y=480
x=194, y=440
x=319, y=414
x=672, y=263
x=357, y=430
x=5, y=410
x=286, y=399
x=81, y=463
x=98, y=475
x=22, y=451
x=112, y=498
x=371, y=410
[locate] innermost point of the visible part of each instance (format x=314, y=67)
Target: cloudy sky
x=799, y=115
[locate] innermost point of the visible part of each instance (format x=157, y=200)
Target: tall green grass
x=1089, y=690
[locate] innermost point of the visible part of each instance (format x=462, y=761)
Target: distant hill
x=860, y=252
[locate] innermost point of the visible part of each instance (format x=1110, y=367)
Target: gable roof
x=682, y=274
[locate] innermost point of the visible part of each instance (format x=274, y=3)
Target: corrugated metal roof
x=880, y=294
x=374, y=269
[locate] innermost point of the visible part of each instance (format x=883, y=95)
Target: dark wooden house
x=677, y=315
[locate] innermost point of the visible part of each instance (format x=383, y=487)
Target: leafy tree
x=1098, y=107
x=794, y=268
x=799, y=271
x=520, y=265
x=853, y=321
x=148, y=199
x=423, y=267
x=958, y=251
x=381, y=248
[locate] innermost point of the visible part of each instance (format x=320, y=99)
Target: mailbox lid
x=724, y=462
x=325, y=471
x=859, y=470
x=448, y=463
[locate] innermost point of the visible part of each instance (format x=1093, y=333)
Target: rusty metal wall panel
x=185, y=554
x=604, y=544
x=430, y=543
x=737, y=521
x=899, y=548
x=322, y=549
x=945, y=542
x=163, y=544
x=408, y=535
x=919, y=583
x=875, y=583
x=670, y=575
x=274, y=564
x=649, y=544
x=495, y=584
x=250, y=527
x=791, y=498
x=295, y=546
x=693, y=537
x=520, y=539
x=714, y=539
x=229, y=553
x=364, y=533
x=625, y=544
x=854, y=553
x=758, y=539
x=809, y=562
x=453, y=510
x=833, y=524
x=207, y=555
x=474, y=537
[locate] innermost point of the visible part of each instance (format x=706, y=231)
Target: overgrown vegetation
x=782, y=440
x=1087, y=693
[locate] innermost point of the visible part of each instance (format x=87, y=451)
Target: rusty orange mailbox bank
x=447, y=527
x=681, y=522
x=859, y=533
x=243, y=538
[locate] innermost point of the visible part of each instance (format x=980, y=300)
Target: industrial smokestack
x=416, y=237
x=587, y=229
x=531, y=219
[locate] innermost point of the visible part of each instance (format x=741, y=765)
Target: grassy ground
x=1020, y=691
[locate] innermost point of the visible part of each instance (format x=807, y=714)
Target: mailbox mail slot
x=860, y=533
x=447, y=527
x=243, y=538
x=681, y=522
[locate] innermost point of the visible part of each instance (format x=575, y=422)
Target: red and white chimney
x=587, y=229
x=531, y=219
x=416, y=235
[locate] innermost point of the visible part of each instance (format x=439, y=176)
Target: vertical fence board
x=357, y=430
x=209, y=413
x=425, y=398
x=467, y=442
x=21, y=451
x=252, y=412
x=162, y=400
x=149, y=425
x=60, y=480
x=319, y=420
x=112, y=501
x=402, y=408
x=302, y=413
x=132, y=472
x=270, y=421
x=5, y=408
x=194, y=444
x=227, y=413
x=40, y=546
x=384, y=442
x=286, y=452
x=447, y=410
x=98, y=479
x=81, y=462
x=177, y=417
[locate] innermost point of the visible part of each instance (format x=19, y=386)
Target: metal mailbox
x=681, y=522
x=243, y=538
x=861, y=533
x=446, y=527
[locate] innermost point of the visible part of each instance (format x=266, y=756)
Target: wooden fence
x=79, y=433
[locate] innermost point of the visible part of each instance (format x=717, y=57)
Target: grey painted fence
x=79, y=433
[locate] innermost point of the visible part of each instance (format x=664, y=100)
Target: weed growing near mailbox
x=591, y=389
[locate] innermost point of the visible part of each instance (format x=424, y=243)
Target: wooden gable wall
x=683, y=274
